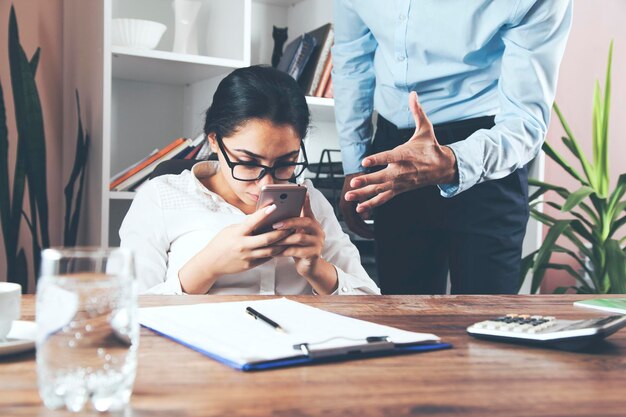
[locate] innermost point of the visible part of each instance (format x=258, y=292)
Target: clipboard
x=223, y=332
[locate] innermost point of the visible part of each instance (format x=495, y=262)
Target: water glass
x=88, y=332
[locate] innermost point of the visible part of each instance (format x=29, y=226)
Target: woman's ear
x=212, y=142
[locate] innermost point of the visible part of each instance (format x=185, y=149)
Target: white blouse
x=174, y=216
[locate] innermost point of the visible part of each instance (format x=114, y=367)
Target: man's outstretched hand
x=419, y=162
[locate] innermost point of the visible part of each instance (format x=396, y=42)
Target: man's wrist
x=450, y=174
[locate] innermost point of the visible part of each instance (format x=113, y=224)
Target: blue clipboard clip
x=372, y=344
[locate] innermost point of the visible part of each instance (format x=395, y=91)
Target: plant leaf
x=5, y=198
x=34, y=62
x=21, y=271
x=596, y=127
x=72, y=206
x=556, y=157
x=526, y=265
x=606, y=110
x=29, y=121
x=616, y=266
x=576, y=197
x=617, y=194
x=587, y=168
x=545, y=251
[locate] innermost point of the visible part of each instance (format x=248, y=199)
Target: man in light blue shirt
x=451, y=188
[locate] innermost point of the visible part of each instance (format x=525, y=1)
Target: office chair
x=176, y=166
x=332, y=178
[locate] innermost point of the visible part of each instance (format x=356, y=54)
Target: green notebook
x=614, y=305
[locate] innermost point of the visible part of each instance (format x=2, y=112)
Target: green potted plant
x=30, y=167
x=592, y=216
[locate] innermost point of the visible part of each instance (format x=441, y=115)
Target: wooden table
x=475, y=378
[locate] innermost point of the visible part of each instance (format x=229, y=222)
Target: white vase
x=185, y=28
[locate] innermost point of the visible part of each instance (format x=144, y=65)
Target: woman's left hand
x=305, y=246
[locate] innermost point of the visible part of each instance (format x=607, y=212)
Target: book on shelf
x=328, y=92
x=180, y=148
x=325, y=78
x=143, y=170
x=119, y=174
x=296, y=55
x=312, y=73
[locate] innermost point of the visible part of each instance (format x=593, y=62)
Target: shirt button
x=344, y=289
x=400, y=58
x=402, y=17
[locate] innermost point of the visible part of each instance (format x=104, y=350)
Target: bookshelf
x=137, y=100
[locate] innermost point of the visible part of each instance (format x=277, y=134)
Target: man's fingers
x=368, y=205
x=383, y=158
x=377, y=177
x=253, y=220
x=421, y=120
x=368, y=191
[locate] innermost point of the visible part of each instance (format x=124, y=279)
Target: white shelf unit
x=137, y=100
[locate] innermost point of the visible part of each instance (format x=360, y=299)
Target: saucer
x=20, y=339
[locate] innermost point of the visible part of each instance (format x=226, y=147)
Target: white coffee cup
x=10, y=296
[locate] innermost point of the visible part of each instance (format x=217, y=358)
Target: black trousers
x=476, y=235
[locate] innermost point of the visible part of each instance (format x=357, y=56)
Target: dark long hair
x=257, y=92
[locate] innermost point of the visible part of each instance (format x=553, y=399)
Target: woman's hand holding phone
x=304, y=244
x=234, y=249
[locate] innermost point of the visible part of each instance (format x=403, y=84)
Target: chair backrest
x=173, y=166
x=176, y=166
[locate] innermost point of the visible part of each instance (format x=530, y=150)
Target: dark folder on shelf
x=297, y=55
x=227, y=333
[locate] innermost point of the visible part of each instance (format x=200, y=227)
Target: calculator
x=547, y=330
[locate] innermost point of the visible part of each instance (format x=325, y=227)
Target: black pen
x=265, y=319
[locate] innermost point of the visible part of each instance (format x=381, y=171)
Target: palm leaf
x=567, y=268
x=576, y=198
x=596, y=129
x=572, y=254
x=606, y=110
x=587, y=168
x=545, y=251
x=561, y=191
x=617, y=194
x=527, y=263
x=616, y=266
x=556, y=157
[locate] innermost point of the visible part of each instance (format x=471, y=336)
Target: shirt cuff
x=352, y=155
x=469, y=166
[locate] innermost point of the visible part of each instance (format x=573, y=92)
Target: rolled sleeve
x=533, y=48
x=354, y=80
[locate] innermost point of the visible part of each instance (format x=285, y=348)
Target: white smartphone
x=288, y=198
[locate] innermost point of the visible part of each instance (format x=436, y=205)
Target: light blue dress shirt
x=465, y=59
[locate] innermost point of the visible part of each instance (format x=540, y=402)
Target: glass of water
x=88, y=333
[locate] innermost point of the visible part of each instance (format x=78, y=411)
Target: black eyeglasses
x=249, y=171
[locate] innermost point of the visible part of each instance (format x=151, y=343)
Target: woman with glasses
x=193, y=232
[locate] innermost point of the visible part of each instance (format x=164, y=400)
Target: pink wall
x=40, y=24
x=595, y=24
